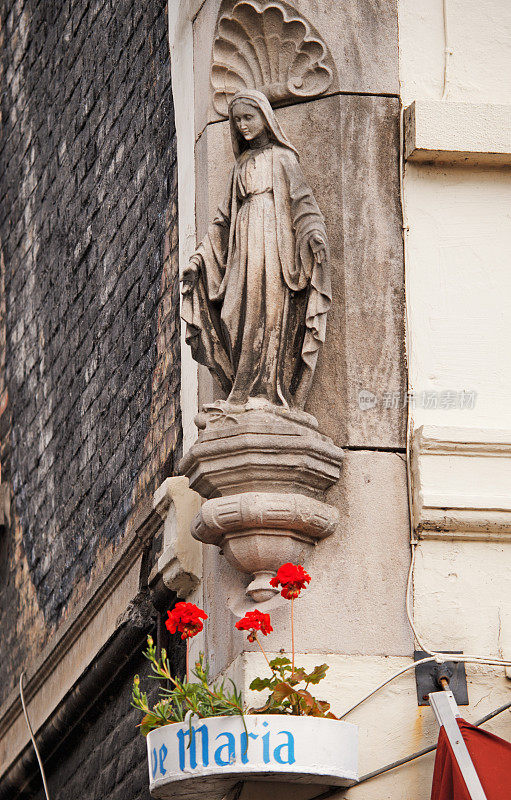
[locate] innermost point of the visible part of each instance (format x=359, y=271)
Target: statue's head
x=248, y=119
x=250, y=114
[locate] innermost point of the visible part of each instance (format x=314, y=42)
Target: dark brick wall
x=89, y=330
x=105, y=756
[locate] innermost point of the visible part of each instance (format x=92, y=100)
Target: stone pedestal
x=262, y=471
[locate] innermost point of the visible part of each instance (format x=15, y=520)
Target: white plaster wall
x=459, y=292
x=458, y=295
x=458, y=281
x=391, y=724
x=457, y=266
x=458, y=244
x=463, y=593
x=479, y=33
x=181, y=13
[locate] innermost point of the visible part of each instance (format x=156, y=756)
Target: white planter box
x=280, y=747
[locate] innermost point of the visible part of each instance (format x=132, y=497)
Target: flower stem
x=224, y=700
x=262, y=651
x=188, y=660
x=292, y=636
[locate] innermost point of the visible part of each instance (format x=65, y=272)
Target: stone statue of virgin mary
x=257, y=290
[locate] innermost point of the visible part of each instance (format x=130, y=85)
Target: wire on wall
x=447, y=50
x=402, y=761
x=29, y=726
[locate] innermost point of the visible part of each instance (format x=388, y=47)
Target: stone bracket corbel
x=262, y=472
x=257, y=530
x=180, y=563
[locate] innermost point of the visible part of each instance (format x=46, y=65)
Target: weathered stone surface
x=366, y=323
x=302, y=515
x=213, y=161
x=270, y=47
x=180, y=562
x=363, y=568
x=354, y=176
x=257, y=289
x=259, y=451
x=355, y=601
x=259, y=531
x=262, y=472
x=361, y=36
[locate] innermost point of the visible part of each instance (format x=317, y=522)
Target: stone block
x=180, y=563
x=362, y=39
x=252, y=464
x=359, y=574
x=355, y=601
x=261, y=451
x=259, y=531
x=354, y=176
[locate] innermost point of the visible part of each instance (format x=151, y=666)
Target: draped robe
x=256, y=315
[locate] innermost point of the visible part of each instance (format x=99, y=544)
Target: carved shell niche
x=265, y=45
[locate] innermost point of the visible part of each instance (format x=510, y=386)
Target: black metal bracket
x=428, y=678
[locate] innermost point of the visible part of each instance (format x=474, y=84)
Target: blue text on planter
x=225, y=749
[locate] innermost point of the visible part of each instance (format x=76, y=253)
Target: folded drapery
x=492, y=760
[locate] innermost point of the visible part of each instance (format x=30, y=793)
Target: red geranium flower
x=255, y=621
x=292, y=578
x=185, y=618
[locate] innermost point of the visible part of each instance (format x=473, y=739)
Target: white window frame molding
x=461, y=479
x=457, y=133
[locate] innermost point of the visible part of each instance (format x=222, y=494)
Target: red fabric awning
x=492, y=760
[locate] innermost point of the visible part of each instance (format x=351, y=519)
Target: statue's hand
x=190, y=274
x=318, y=246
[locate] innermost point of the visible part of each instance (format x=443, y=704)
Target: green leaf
x=282, y=691
x=317, y=674
x=175, y=701
x=149, y=722
x=297, y=676
x=280, y=664
x=259, y=684
x=306, y=700
x=262, y=710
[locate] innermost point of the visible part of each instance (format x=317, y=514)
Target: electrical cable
x=438, y=654
x=385, y=682
x=29, y=726
x=335, y=790
x=439, y=658
x=447, y=49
